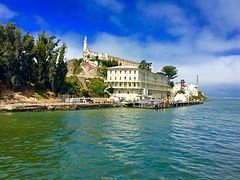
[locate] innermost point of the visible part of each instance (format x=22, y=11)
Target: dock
x=162, y=105
x=36, y=107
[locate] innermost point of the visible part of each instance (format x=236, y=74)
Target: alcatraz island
x=36, y=76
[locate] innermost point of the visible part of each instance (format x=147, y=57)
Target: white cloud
x=176, y=21
x=222, y=15
x=194, y=53
x=41, y=22
x=207, y=41
x=6, y=13
x=74, y=43
x=113, y=5
x=222, y=70
x=211, y=69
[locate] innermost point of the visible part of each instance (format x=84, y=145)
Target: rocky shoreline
x=53, y=107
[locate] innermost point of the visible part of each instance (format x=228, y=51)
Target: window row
x=122, y=78
x=123, y=72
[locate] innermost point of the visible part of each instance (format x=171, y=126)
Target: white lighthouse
x=85, y=44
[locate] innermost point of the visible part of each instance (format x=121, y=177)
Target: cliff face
x=85, y=69
x=89, y=69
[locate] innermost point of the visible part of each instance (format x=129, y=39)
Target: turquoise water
x=196, y=142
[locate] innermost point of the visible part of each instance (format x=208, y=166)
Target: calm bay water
x=196, y=142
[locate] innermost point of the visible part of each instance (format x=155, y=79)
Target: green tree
x=170, y=72
x=45, y=51
x=109, y=63
x=52, y=69
x=61, y=71
x=76, y=65
x=74, y=87
x=41, y=58
x=103, y=71
x=97, y=86
x=10, y=41
x=145, y=65
x=27, y=58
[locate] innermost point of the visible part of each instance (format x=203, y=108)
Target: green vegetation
x=145, y=65
x=108, y=63
x=200, y=96
x=170, y=72
x=104, y=64
x=39, y=97
x=76, y=64
x=26, y=62
x=74, y=86
x=181, y=91
x=103, y=71
x=97, y=86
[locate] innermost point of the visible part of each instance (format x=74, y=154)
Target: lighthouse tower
x=85, y=44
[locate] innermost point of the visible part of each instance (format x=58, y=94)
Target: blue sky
x=198, y=37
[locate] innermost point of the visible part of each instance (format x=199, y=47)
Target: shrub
x=97, y=86
x=76, y=64
x=73, y=86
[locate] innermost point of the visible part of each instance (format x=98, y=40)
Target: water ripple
x=196, y=142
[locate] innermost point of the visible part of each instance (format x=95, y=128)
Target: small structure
x=183, y=92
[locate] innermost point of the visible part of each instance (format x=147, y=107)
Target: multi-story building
x=132, y=83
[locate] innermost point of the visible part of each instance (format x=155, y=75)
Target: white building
x=132, y=83
x=189, y=90
x=89, y=54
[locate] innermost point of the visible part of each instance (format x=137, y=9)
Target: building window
x=128, y=92
x=110, y=72
x=125, y=77
x=129, y=71
x=110, y=78
x=125, y=72
x=134, y=84
x=120, y=72
x=129, y=84
x=134, y=72
x=120, y=78
x=120, y=84
x=115, y=78
x=119, y=92
x=134, y=78
x=129, y=78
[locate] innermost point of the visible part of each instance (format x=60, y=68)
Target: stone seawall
x=52, y=107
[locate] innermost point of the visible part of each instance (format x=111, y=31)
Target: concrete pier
x=163, y=105
x=53, y=107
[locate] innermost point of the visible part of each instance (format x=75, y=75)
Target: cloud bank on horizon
x=200, y=37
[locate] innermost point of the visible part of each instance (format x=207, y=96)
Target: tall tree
x=41, y=58
x=145, y=65
x=9, y=54
x=52, y=69
x=170, y=72
x=45, y=52
x=26, y=61
x=61, y=71
x=27, y=58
